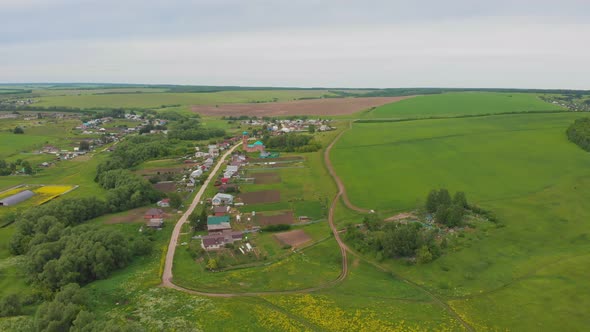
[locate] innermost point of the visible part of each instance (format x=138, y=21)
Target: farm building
x=224, y=199
x=218, y=224
x=219, y=211
x=16, y=198
x=154, y=214
x=212, y=242
x=258, y=146
x=197, y=173
x=155, y=223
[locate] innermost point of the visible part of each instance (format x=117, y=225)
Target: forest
x=579, y=133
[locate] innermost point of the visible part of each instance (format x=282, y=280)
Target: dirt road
x=339, y=183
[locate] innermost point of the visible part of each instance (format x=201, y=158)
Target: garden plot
x=294, y=238
x=285, y=217
x=261, y=197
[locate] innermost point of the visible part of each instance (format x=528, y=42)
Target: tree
x=460, y=199
x=455, y=215
x=175, y=200
x=27, y=167
x=84, y=146
x=59, y=314
x=444, y=198
x=18, y=130
x=442, y=214
x=311, y=128
x=423, y=255
x=212, y=264
x=432, y=201
x=10, y=306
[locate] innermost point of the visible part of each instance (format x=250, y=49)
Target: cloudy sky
x=305, y=43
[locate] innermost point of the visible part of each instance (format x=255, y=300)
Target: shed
x=16, y=198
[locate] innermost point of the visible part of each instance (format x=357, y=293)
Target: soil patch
x=167, y=187
x=266, y=178
x=276, y=219
x=328, y=106
x=131, y=216
x=294, y=238
x=260, y=197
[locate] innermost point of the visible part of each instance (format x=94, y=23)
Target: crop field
x=318, y=107
x=524, y=169
x=156, y=100
x=461, y=103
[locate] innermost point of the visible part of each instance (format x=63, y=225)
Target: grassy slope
x=461, y=103
x=520, y=166
x=146, y=100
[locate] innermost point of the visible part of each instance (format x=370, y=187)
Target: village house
x=218, y=224
x=217, y=241
x=164, y=203
x=154, y=218
x=224, y=199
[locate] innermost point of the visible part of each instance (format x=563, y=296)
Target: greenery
x=579, y=133
x=291, y=143
x=461, y=104
x=447, y=212
x=276, y=228
x=191, y=129
x=18, y=130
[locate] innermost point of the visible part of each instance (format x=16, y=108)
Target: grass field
x=523, y=168
x=461, y=103
x=154, y=100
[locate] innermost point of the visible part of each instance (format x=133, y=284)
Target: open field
x=156, y=100
x=461, y=103
x=320, y=107
x=524, y=169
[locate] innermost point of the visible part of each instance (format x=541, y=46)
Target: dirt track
x=328, y=106
x=341, y=188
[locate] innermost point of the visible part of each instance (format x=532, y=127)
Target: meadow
x=460, y=103
x=155, y=100
x=524, y=169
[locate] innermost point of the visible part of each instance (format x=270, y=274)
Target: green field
x=154, y=100
x=461, y=103
x=524, y=169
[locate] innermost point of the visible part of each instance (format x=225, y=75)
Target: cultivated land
x=461, y=103
x=156, y=100
x=528, y=274
x=520, y=166
x=318, y=107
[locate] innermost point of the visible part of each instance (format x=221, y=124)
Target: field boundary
x=380, y=120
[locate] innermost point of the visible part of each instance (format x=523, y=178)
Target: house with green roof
x=218, y=223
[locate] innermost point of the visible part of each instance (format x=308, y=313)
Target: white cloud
x=492, y=52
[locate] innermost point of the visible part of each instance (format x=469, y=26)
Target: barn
x=16, y=198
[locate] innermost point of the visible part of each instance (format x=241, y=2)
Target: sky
x=303, y=43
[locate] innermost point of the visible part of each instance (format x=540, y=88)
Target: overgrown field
x=461, y=103
x=155, y=100
x=524, y=169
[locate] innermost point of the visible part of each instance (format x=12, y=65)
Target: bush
x=277, y=228
x=10, y=305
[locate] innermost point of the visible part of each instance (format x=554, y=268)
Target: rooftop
x=212, y=220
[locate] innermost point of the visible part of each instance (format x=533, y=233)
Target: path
x=339, y=183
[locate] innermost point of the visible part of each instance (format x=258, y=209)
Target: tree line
x=191, y=129
x=7, y=168
x=291, y=143
x=579, y=133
